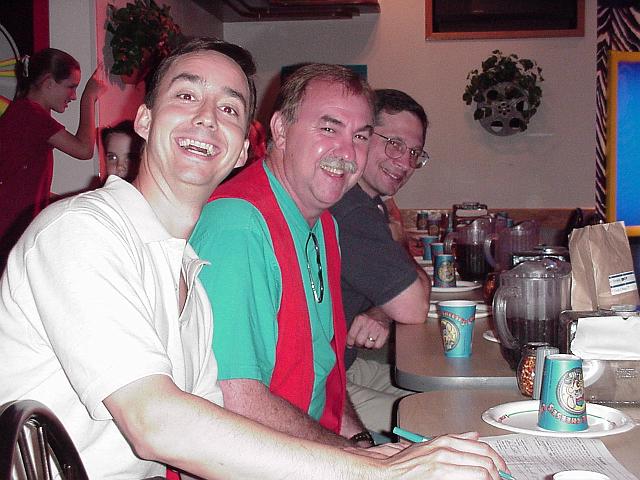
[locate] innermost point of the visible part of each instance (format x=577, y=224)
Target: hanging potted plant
x=142, y=34
x=506, y=93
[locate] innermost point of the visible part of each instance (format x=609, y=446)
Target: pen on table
x=414, y=437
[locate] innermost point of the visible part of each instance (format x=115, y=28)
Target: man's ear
x=244, y=154
x=142, y=123
x=278, y=130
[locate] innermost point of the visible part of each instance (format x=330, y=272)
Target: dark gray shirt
x=375, y=268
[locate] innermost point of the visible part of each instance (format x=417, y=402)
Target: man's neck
x=177, y=213
x=275, y=162
x=366, y=188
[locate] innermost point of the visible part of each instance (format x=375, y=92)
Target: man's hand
x=449, y=456
x=369, y=329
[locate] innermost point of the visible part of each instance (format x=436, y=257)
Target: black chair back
x=44, y=447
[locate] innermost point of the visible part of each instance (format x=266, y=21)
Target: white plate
x=490, y=336
x=522, y=417
x=461, y=286
x=482, y=311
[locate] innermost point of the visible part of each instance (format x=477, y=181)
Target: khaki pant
x=373, y=395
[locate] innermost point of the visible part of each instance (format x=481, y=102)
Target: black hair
x=126, y=127
x=137, y=143
x=236, y=53
x=394, y=101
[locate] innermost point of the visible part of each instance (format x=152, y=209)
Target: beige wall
x=550, y=165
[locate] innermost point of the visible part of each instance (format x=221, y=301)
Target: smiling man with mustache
x=274, y=284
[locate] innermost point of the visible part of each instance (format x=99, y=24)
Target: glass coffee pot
x=528, y=303
x=469, y=248
x=518, y=238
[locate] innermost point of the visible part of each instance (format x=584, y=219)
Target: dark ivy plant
x=143, y=34
x=523, y=73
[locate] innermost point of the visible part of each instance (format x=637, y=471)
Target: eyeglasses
x=318, y=298
x=395, y=148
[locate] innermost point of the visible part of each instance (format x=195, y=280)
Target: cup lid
x=544, y=268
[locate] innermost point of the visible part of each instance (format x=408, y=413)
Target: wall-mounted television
x=623, y=140
x=469, y=19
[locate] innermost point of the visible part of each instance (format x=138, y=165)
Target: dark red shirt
x=26, y=166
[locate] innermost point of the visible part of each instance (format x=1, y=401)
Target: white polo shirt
x=89, y=304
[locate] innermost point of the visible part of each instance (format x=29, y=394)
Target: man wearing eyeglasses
x=381, y=282
x=274, y=284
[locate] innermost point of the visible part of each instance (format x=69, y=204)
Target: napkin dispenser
x=613, y=382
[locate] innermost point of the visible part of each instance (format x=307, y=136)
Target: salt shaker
x=526, y=370
x=541, y=354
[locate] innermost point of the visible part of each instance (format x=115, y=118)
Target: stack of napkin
x=607, y=338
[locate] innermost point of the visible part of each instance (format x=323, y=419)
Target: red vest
x=293, y=373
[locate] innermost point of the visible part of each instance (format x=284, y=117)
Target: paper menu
x=538, y=458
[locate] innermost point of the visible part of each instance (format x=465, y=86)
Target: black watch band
x=363, y=436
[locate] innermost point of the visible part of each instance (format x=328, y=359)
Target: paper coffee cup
x=444, y=272
x=426, y=245
x=457, y=318
x=562, y=404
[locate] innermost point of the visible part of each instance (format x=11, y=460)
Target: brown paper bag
x=601, y=268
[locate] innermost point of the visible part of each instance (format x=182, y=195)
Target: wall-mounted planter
x=506, y=93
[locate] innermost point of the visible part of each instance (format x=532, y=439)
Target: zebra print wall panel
x=618, y=29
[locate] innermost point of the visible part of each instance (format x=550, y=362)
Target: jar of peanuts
x=527, y=367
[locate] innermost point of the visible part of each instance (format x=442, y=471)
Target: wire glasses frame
x=395, y=148
x=318, y=298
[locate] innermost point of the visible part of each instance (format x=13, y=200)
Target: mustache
x=340, y=163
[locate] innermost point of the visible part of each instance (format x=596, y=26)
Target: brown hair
x=30, y=70
x=294, y=88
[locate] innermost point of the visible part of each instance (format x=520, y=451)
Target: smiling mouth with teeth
x=338, y=167
x=394, y=176
x=195, y=146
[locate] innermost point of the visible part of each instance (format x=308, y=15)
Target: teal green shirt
x=244, y=285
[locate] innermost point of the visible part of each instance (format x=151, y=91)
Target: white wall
x=552, y=164
x=78, y=39
x=77, y=26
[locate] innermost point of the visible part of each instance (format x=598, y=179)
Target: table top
x=421, y=365
x=438, y=413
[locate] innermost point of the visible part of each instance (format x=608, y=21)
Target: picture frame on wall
x=481, y=19
x=623, y=148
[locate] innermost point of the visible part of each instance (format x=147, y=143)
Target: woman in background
x=46, y=81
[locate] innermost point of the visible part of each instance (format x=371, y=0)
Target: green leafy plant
x=143, y=34
x=522, y=73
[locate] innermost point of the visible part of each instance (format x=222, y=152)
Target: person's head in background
x=396, y=148
x=122, y=147
x=49, y=77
